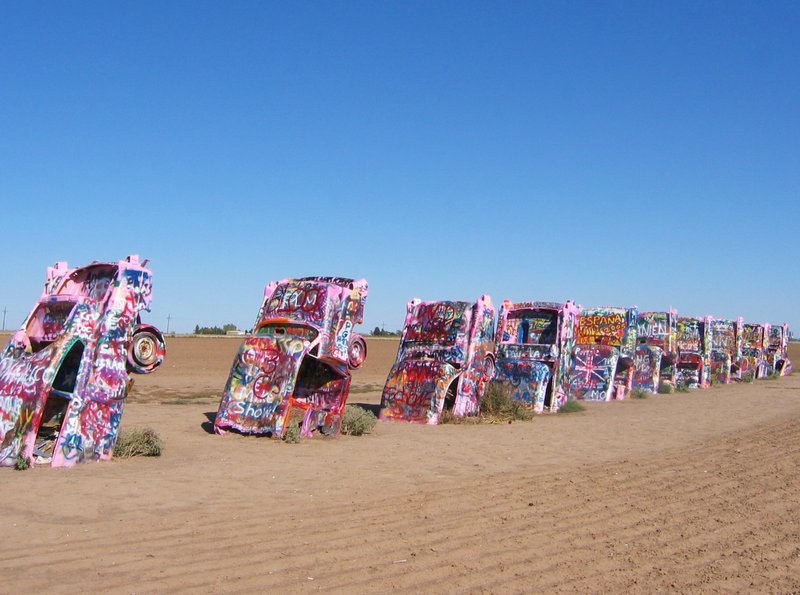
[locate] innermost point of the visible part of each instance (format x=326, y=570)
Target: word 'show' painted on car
x=444, y=361
x=295, y=367
x=66, y=372
x=534, y=343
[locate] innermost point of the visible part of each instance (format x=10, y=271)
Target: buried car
x=534, y=341
x=294, y=370
x=601, y=367
x=726, y=350
x=444, y=361
x=693, y=368
x=755, y=363
x=777, y=349
x=656, y=349
x=66, y=372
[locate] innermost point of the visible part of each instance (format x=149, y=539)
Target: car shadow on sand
x=375, y=409
x=208, y=426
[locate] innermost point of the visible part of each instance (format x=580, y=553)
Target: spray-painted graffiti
x=693, y=366
x=601, y=367
x=656, y=351
x=592, y=373
x=726, y=350
x=66, y=372
x=777, y=346
x=534, y=344
x=295, y=369
x=445, y=359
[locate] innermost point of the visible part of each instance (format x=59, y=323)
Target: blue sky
x=614, y=153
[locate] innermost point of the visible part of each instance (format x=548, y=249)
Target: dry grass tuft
x=572, y=407
x=357, y=421
x=138, y=442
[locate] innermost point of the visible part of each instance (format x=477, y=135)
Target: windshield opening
x=531, y=327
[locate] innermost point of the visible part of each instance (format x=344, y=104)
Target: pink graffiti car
x=66, y=372
x=777, y=349
x=656, y=349
x=693, y=367
x=601, y=368
x=534, y=344
x=445, y=359
x=295, y=368
x=726, y=350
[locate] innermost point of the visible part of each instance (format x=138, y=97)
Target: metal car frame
x=755, y=362
x=601, y=365
x=693, y=368
x=726, y=350
x=444, y=361
x=294, y=370
x=777, y=349
x=66, y=372
x=656, y=349
x=534, y=342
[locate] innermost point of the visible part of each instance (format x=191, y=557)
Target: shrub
x=639, y=393
x=666, y=388
x=499, y=405
x=138, y=442
x=292, y=434
x=683, y=388
x=22, y=463
x=572, y=407
x=357, y=421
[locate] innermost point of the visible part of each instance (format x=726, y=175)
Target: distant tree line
x=379, y=332
x=213, y=330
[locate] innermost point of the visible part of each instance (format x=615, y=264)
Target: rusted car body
x=534, y=344
x=601, y=367
x=66, y=372
x=777, y=349
x=726, y=350
x=295, y=367
x=445, y=359
x=693, y=368
x=656, y=349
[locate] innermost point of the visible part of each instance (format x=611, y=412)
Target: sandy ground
x=682, y=492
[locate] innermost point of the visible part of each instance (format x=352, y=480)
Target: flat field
x=684, y=492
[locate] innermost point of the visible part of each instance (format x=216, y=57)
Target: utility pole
x=4, y=318
x=169, y=317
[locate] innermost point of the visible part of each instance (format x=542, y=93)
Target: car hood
x=527, y=380
x=416, y=389
x=261, y=382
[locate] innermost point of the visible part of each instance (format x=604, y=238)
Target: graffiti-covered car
x=601, y=367
x=693, y=368
x=445, y=359
x=534, y=343
x=295, y=367
x=66, y=372
x=777, y=349
x=726, y=350
x=656, y=349
x=755, y=338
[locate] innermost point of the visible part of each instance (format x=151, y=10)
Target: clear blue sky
x=614, y=153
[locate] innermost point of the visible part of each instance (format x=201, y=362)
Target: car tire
x=146, y=350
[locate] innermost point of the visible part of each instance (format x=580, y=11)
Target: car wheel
x=356, y=353
x=146, y=351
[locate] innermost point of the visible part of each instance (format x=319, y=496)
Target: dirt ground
x=683, y=492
